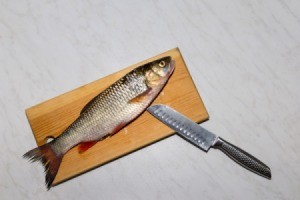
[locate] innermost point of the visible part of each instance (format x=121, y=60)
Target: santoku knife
x=205, y=139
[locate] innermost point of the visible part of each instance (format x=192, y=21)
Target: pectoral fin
x=141, y=97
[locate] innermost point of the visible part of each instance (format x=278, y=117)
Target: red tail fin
x=50, y=160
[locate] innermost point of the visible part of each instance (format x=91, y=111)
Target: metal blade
x=184, y=126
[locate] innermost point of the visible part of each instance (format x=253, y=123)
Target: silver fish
x=106, y=114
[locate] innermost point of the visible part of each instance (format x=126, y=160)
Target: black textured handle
x=243, y=158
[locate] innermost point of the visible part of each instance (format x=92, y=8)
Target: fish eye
x=162, y=63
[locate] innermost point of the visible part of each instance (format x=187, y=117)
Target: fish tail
x=49, y=159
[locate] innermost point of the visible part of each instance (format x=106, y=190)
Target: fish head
x=159, y=71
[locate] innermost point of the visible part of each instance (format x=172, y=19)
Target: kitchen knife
x=206, y=139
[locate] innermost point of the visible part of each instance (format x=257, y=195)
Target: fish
x=106, y=114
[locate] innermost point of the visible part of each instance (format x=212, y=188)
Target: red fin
x=118, y=128
x=85, y=146
x=141, y=97
x=50, y=160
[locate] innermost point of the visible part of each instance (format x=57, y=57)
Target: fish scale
x=106, y=113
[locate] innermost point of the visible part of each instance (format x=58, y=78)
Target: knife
x=205, y=139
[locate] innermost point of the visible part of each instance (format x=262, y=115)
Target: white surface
x=243, y=57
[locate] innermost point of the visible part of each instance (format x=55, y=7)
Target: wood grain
x=51, y=117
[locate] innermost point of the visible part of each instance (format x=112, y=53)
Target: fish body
x=106, y=113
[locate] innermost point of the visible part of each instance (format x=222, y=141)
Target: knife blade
x=205, y=139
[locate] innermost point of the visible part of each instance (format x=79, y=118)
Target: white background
x=243, y=56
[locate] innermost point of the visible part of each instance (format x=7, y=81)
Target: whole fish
x=106, y=114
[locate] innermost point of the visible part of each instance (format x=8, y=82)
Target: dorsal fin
x=88, y=105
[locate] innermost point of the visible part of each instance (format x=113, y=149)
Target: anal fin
x=82, y=147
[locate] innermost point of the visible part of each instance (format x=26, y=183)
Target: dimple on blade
x=183, y=126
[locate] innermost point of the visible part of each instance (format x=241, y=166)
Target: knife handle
x=243, y=158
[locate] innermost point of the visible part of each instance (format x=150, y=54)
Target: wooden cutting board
x=50, y=118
